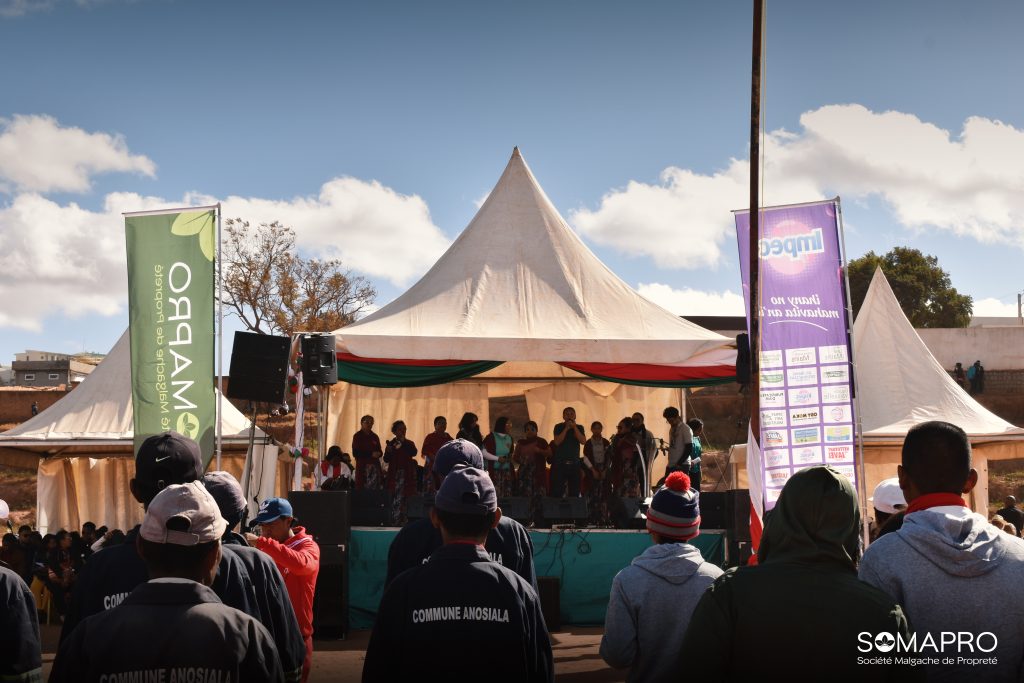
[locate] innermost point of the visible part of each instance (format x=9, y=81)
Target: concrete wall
x=16, y=403
x=998, y=348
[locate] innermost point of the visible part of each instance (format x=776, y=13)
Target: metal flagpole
x=220, y=344
x=755, y=227
x=862, y=482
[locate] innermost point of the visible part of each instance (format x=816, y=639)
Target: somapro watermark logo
x=947, y=641
x=960, y=648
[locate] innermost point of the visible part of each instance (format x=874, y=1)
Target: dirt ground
x=575, y=653
x=18, y=488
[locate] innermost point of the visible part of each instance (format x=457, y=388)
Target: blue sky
x=374, y=129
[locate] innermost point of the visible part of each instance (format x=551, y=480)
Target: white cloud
x=17, y=8
x=968, y=184
x=37, y=154
x=689, y=301
x=66, y=259
x=370, y=227
x=59, y=258
x=994, y=308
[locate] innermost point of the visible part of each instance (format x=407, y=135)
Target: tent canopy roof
x=99, y=411
x=519, y=285
x=901, y=382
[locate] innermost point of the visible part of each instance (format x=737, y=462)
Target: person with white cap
x=172, y=627
x=652, y=599
x=888, y=502
x=111, y=574
x=461, y=599
x=507, y=543
x=5, y=515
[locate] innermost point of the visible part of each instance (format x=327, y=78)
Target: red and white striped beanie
x=675, y=509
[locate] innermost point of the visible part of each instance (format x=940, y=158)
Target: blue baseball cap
x=457, y=452
x=466, y=491
x=273, y=508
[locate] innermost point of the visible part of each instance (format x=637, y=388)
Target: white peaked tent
x=519, y=287
x=901, y=385
x=83, y=446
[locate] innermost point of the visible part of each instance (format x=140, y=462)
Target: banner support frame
x=862, y=482
x=220, y=342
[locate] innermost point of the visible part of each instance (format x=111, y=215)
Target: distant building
x=725, y=325
x=6, y=375
x=47, y=369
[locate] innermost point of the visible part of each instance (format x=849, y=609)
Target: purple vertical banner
x=806, y=380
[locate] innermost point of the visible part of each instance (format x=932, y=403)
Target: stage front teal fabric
x=584, y=560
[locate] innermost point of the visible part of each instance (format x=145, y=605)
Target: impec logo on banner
x=792, y=247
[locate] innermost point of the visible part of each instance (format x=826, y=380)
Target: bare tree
x=273, y=290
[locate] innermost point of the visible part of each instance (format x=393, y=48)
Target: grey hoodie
x=649, y=609
x=952, y=571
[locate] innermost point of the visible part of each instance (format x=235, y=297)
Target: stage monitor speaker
x=319, y=360
x=549, y=589
x=738, y=501
x=371, y=508
x=714, y=512
x=515, y=507
x=418, y=506
x=259, y=367
x=330, y=601
x=628, y=515
x=565, y=509
x=326, y=515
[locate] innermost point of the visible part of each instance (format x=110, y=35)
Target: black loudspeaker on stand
x=259, y=367
x=319, y=360
x=326, y=515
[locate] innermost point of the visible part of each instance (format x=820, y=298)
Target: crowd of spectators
x=50, y=563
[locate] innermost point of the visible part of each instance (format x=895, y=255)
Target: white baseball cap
x=888, y=496
x=5, y=510
x=191, y=502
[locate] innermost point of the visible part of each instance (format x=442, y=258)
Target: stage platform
x=585, y=560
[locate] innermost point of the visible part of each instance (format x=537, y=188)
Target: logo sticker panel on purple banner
x=806, y=391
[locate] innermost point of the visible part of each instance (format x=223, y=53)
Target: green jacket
x=800, y=613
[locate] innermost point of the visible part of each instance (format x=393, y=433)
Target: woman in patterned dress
x=532, y=453
x=367, y=452
x=626, y=461
x=597, y=459
x=498, y=445
x=431, y=443
x=401, y=478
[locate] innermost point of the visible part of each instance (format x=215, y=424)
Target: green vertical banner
x=171, y=315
